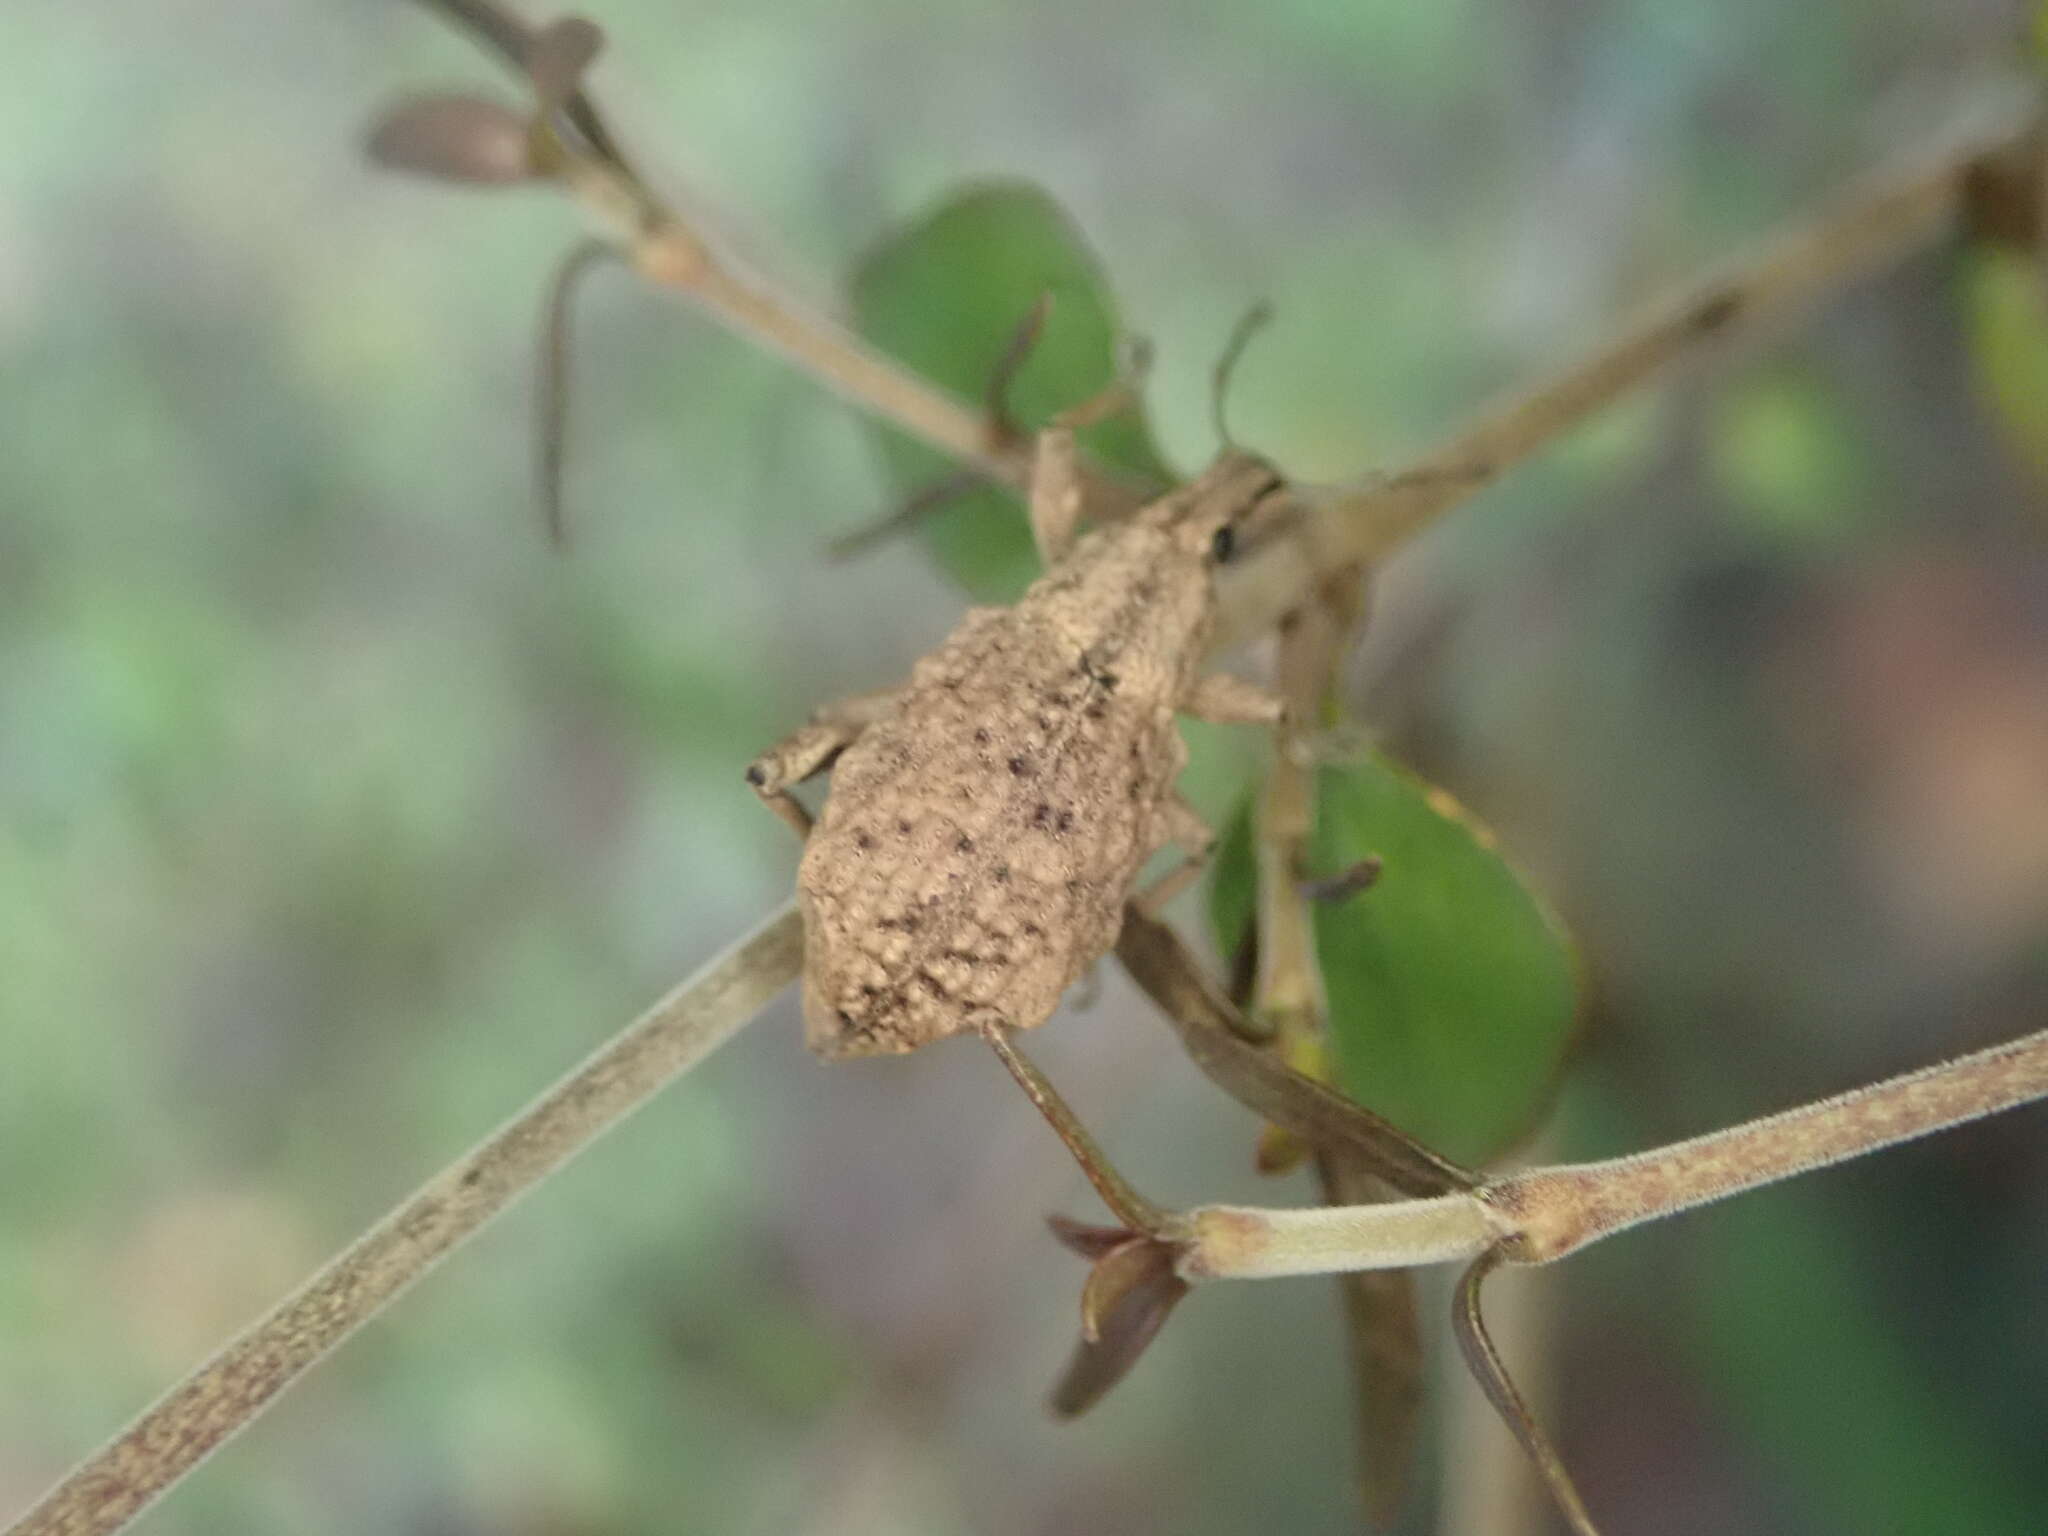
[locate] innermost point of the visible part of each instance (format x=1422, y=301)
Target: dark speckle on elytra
x=981, y=735
x=1020, y=766
x=1001, y=874
x=1033, y=931
x=1042, y=815
x=903, y=826
x=864, y=841
x=1065, y=823
x=963, y=843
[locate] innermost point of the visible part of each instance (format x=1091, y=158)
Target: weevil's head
x=1206, y=518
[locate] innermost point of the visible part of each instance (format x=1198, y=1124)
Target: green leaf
x=1451, y=987
x=944, y=295
x=2006, y=315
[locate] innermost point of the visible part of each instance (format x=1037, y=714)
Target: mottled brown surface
x=981, y=837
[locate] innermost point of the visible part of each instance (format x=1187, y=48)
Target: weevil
x=986, y=823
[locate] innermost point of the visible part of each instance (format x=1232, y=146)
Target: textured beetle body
x=981, y=837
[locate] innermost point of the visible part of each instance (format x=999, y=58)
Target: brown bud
x=454, y=138
x=558, y=55
x=1134, y=1285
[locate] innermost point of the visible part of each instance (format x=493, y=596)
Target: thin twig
x=1880, y=221
x=673, y=252
x=116, y=1483
x=1382, y=1322
x=1884, y=218
x=1545, y=1213
x=1557, y=1210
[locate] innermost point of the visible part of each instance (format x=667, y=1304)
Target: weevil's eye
x=1223, y=545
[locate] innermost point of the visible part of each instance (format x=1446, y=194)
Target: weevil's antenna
x=551, y=384
x=1248, y=326
x=1124, y=392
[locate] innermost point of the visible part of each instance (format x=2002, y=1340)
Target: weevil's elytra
x=985, y=827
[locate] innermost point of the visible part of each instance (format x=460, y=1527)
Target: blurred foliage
x=2006, y=308
x=337, y=815
x=947, y=294
x=1450, y=986
x=1787, y=457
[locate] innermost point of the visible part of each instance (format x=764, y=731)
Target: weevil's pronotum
x=987, y=822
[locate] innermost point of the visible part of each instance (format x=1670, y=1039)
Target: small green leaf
x=1451, y=987
x=2006, y=313
x=945, y=295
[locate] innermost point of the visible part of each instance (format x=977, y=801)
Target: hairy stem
x=1546, y=1213
x=1239, y=1242
x=121, y=1479
x=1556, y=1210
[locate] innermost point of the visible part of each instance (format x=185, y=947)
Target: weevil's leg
x=1058, y=488
x=1130, y=1207
x=810, y=750
x=1225, y=700
x=1056, y=493
x=1180, y=823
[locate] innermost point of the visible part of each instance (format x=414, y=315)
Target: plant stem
x=1546, y=1213
x=1557, y=1210
x=1879, y=221
x=121, y=1479
x=1248, y=1243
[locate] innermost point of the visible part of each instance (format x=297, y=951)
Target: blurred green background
x=338, y=814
